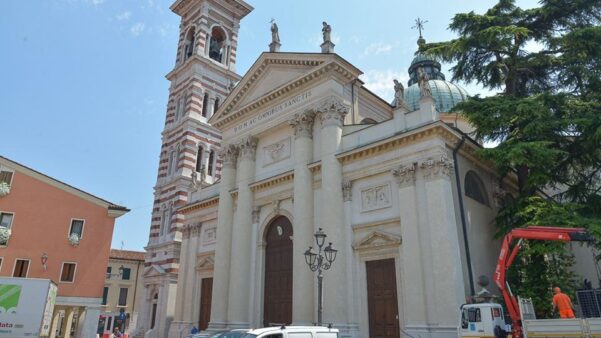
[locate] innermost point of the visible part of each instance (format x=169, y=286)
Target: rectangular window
x=122, y=297
x=68, y=273
x=76, y=227
x=21, y=268
x=125, y=275
x=6, y=219
x=6, y=177
x=105, y=295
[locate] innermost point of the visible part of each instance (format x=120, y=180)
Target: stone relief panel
x=210, y=235
x=277, y=151
x=376, y=197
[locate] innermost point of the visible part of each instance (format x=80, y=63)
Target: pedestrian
x=563, y=303
x=117, y=333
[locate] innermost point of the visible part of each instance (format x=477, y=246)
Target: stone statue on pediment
x=424, y=84
x=399, y=93
x=327, y=31
x=275, y=35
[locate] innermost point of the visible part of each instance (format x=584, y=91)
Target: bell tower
x=203, y=76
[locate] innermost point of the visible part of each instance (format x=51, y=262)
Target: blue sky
x=83, y=93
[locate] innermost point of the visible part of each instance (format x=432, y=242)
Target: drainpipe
x=468, y=257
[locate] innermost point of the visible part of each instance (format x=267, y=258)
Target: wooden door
x=382, y=299
x=277, y=301
x=206, y=293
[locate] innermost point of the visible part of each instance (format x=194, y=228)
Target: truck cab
x=480, y=320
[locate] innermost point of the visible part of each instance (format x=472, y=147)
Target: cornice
x=212, y=65
x=209, y=202
x=272, y=181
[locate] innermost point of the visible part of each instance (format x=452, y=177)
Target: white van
x=293, y=332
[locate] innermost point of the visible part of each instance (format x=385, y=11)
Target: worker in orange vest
x=563, y=303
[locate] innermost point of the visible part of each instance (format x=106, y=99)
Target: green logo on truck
x=9, y=298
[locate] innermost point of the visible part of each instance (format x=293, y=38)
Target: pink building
x=49, y=229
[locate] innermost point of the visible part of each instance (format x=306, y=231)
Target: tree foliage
x=545, y=63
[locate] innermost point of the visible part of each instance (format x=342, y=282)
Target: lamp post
x=320, y=261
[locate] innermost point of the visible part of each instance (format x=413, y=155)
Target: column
x=69, y=312
x=412, y=280
x=182, y=287
x=352, y=317
x=332, y=113
x=225, y=213
x=205, y=162
x=241, y=233
x=211, y=107
x=81, y=321
x=445, y=274
x=90, y=322
x=304, y=280
x=55, y=318
x=192, y=300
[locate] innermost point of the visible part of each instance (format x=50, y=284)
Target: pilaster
x=332, y=112
x=303, y=282
x=241, y=246
x=225, y=216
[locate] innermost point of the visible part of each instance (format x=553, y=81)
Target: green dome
x=445, y=94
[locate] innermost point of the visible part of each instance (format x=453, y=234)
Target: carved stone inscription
x=376, y=197
x=210, y=235
x=277, y=151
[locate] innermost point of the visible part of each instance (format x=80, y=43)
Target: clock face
x=280, y=230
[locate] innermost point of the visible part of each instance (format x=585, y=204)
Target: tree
x=546, y=119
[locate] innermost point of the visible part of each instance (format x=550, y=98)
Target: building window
x=76, y=228
x=216, y=106
x=199, y=159
x=205, y=104
x=153, y=314
x=211, y=164
x=6, y=223
x=105, y=295
x=189, y=44
x=21, y=268
x=165, y=221
x=217, y=44
x=6, y=177
x=125, y=274
x=68, y=273
x=474, y=188
x=122, y=297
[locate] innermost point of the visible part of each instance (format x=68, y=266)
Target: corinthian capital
x=303, y=124
x=437, y=167
x=405, y=175
x=229, y=155
x=332, y=111
x=248, y=147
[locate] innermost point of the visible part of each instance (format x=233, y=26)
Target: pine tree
x=546, y=120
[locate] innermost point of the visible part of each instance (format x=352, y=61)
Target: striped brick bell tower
x=203, y=75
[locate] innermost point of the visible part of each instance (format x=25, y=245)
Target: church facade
x=299, y=144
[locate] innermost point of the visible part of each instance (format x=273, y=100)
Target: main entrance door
x=277, y=304
x=206, y=288
x=382, y=299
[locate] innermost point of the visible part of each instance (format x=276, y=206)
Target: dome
x=445, y=94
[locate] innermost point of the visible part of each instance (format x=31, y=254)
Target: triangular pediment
x=377, y=239
x=205, y=262
x=153, y=271
x=275, y=75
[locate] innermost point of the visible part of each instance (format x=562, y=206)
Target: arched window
x=216, y=105
x=474, y=188
x=164, y=221
x=368, y=120
x=211, y=164
x=182, y=106
x=189, y=44
x=217, y=44
x=153, y=314
x=199, y=159
x=205, y=104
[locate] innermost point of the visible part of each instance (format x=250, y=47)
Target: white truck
x=26, y=306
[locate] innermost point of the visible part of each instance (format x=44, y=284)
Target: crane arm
x=509, y=253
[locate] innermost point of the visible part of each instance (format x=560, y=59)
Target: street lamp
x=320, y=261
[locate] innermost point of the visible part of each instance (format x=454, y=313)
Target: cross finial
x=419, y=25
x=272, y=20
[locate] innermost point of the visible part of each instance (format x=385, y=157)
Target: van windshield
x=250, y=335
